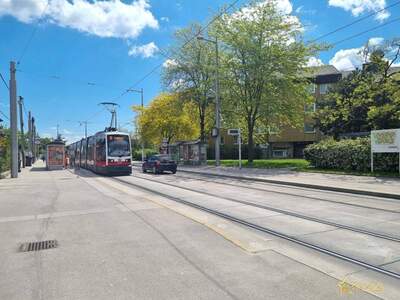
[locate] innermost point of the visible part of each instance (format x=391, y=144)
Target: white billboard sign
x=385, y=141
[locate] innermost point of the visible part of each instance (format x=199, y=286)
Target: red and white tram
x=106, y=152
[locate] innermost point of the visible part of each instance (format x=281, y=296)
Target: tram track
x=260, y=228
x=282, y=211
x=289, y=194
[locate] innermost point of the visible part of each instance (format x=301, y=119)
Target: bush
x=349, y=155
x=137, y=154
x=4, y=150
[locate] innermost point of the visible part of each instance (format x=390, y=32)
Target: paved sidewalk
x=114, y=245
x=374, y=186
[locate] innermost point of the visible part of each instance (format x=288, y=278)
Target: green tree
x=190, y=72
x=5, y=153
x=165, y=118
x=263, y=65
x=365, y=100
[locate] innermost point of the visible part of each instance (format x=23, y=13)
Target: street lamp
x=141, y=100
x=216, y=132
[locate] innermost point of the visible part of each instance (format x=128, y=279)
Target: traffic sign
x=233, y=131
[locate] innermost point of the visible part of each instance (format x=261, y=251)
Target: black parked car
x=159, y=163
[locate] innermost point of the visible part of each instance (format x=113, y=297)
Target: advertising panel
x=55, y=155
x=385, y=141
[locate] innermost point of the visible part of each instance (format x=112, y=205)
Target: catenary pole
x=141, y=100
x=13, y=121
x=29, y=133
x=33, y=139
x=217, y=107
x=21, y=120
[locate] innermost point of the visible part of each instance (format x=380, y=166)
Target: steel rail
x=265, y=230
x=285, y=212
x=289, y=194
x=304, y=185
x=296, y=195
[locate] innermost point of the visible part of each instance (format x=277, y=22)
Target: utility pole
x=84, y=122
x=217, y=134
x=21, y=119
x=33, y=127
x=142, y=105
x=13, y=121
x=217, y=107
x=30, y=137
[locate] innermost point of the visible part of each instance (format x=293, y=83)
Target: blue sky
x=86, y=52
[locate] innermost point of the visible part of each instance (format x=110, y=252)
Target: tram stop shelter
x=188, y=152
x=55, y=155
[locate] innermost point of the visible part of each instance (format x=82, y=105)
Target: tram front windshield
x=118, y=145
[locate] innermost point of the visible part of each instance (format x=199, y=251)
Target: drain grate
x=37, y=246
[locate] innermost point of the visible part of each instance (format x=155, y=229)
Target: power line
x=57, y=77
x=354, y=22
x=366, y=31
x=95, y=114
x=4, y=81
x=28, y=43
x=4, y=115
x=184, y=45
x=23, y=107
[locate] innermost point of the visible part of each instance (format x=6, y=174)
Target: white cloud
x=282, y=6
x=112, y=18
x=350, y=59
x=169, y=63
x=302, y=10
x=165, y=19
x=314, y=62
x=146, y=51
x=375, y=41
x=358, y=7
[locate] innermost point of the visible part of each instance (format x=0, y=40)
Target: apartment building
x=290, y=142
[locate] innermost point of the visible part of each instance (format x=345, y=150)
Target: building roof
x=391, y=71
x=321, y=70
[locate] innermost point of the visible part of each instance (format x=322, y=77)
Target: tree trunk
x=202, y=129
x=250, y=145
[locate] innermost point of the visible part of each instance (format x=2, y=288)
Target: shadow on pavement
x=38, y=169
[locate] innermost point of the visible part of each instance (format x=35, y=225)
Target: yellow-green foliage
x=166, y=117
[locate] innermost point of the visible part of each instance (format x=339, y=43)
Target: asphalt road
x=120, y=242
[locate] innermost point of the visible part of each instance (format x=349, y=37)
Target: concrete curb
x=299, y=184
x=5, y=174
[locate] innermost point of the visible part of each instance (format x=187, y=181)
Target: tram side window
x=89, y=150
x=101, y=149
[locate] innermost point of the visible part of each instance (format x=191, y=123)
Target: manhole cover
x=37, y=246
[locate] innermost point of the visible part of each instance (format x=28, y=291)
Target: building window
x=280, y=153
x=309, y=128
x=310, y=107
x=323, y=88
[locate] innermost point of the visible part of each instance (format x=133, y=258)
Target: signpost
x=385, y=141
x=237, y=132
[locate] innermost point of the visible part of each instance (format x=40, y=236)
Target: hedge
x=137, y=154
x=348, y=155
